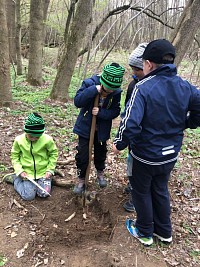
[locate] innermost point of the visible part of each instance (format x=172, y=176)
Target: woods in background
x=81, y=27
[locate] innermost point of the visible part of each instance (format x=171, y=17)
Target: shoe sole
x=129, y=210
x=162, y=239
x=9, y=174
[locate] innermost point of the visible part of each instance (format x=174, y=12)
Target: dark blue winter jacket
x=162, y=105
x=84, y=99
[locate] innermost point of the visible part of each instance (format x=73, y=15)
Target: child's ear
x=150, y=65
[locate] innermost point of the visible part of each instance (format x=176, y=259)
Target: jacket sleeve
x=193, y=118
x=130, y=126
x=85, y=94
x=15, y=158
x=129, y=91
x=113, y=111
x=53, y=155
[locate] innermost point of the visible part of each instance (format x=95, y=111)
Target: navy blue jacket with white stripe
x=162, y=105
x=110, y=109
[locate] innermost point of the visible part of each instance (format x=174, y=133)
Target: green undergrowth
x=191, y=144
x=3, y=260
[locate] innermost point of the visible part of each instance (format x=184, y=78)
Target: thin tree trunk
x=36, y=41
x=5, y=81
x=68, y=62
x=11, y=29
x=18, y=38
x=186, y=29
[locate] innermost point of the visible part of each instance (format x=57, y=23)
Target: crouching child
x=34, y=155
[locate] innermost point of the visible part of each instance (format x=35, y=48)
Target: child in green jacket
x=34, y=155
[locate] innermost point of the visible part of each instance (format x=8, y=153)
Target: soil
x=36, y=233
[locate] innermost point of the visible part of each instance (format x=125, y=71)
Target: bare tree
x=36, y=40
x=11, y=29
x=5, y=81
x=18, y=37
x=77, y=32
x=186, y=29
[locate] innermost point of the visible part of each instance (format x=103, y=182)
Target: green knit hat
x=34, y=125
x=112, y=76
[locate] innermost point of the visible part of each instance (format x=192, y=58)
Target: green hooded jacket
x=35, y=158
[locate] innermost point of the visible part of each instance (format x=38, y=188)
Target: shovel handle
x=91, y=141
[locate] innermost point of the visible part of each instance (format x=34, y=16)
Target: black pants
x=82, y=156
x=151, y=197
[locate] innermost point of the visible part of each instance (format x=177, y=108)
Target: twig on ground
x=63, y=162
x=19, y=205
x=43, y=215
x=112, y=232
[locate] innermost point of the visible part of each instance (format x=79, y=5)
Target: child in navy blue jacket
x=108, y=87
x=162, y=105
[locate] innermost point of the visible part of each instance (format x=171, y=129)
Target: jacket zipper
x=33, y=160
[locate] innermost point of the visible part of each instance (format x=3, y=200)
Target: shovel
x=86, y=195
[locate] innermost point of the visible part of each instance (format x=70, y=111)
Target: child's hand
x=115, y=150
x=47, y=175
x=98, y=88
x=95, y=111
x=23, y=175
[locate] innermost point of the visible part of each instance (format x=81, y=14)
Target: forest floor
x=36, y=233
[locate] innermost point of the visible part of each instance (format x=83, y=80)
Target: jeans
x=28, y=191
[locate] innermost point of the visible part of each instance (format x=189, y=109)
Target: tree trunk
x=73, y=46
x=5, y=81
x=36, y=41
x=18, y=38
x=11, y=29
x=186, y=29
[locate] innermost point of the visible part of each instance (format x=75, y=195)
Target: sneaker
x=9, y=178
x=101, y=179
x=79, y=187
x=128, y=206
x=163, y=239
x=130, y=225
x=127, y=189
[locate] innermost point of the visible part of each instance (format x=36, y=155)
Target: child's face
x=138, y=72
x=32, y=138
x=105, y=91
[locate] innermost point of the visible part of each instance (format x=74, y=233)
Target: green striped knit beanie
x=34, y=125
x=112, y=76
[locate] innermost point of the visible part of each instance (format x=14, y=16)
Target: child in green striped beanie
x=34, y=155
x=98, y=96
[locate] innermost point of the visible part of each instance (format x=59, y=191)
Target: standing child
x=34, y=155
x=108, y=87
x=162, y=105
x=136, y=64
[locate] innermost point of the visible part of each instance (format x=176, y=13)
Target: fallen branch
x=59, y=173
x=65, y=162
x=19, y=205
x=70, y=217
x=63, y=182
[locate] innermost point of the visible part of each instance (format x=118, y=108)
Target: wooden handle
x=91, y=141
